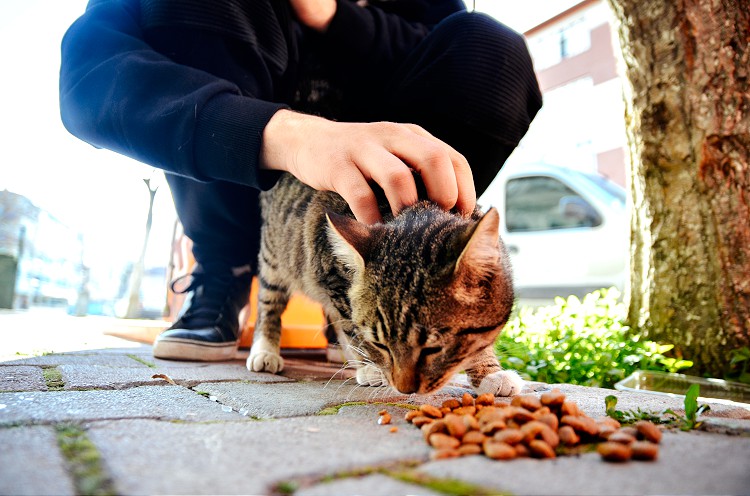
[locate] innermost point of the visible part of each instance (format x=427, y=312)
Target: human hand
x=315, y=14
x=345, y=156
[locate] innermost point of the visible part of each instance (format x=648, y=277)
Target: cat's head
x=430, y=290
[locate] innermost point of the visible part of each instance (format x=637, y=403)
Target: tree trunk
x=689, y=136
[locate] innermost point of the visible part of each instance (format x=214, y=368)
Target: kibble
x=440, y=441
x=411, y=414
x=644, y=450
x=540, y=449
x=442, y=454
x=469, y=449
x=431, y=411
x=498, y=451
x=614, y=452
x=568, y=436
x=530, y=426
x=385, y=418
x=648, y=431
x=473, y=437
x=621, y=437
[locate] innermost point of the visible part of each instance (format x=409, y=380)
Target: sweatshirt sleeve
x=116, y=92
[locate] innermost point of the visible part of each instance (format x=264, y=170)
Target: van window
x=541, y=203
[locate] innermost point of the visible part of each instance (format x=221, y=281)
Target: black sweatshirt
x=116, y=92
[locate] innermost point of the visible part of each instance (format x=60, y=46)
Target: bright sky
x=94, y=191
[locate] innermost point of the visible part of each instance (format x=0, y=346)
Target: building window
x=567, y=40
x=574, y=39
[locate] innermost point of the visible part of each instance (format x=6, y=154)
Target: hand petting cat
x=344, y=157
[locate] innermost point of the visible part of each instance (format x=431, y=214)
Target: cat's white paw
x=502, y=383
x=265, y=361
x=368, y=375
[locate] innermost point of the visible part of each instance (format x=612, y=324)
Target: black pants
x=470, y=83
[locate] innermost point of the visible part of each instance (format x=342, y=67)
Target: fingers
x=347, y=157
x=355, y=190
x=445, y=172
x=392, y=175
x=387, y=153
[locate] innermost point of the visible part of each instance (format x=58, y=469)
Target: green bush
x=580, y=342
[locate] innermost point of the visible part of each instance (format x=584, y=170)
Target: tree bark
x=688, y=116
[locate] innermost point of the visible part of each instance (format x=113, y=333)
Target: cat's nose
x=405, y=381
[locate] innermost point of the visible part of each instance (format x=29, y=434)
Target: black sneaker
x=208, y=326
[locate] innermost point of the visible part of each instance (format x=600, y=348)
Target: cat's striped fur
x=418, y=298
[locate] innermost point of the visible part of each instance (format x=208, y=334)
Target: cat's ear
x=350, y=239
x=481, y=255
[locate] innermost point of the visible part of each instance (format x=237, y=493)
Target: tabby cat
x=418, y=298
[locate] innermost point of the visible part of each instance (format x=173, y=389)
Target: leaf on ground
x=165, y=377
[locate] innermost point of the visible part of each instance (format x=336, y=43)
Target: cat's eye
x=477, y=330
x=429, y=351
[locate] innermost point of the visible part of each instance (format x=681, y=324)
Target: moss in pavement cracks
x=333, y=410
x=138, y=359
x=287, y=487
x=53, y=379
x=83, y=461
x=451, y=487
x=404, y=472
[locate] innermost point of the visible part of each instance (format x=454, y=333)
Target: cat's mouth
x=411, y=383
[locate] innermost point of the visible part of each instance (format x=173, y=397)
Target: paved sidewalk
x=88, y=416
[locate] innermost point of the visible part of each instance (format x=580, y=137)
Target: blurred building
x=40, y=257
x=582, y=123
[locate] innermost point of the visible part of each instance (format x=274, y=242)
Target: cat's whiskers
x=349, y=364
x=333, y=323
x=344, y=383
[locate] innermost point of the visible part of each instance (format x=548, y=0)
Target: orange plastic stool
x=302, y=323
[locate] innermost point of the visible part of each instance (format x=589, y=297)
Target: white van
x=567, y=232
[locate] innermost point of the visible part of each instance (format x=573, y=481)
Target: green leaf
x=691, y=402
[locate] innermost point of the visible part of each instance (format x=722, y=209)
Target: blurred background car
x=567, y=231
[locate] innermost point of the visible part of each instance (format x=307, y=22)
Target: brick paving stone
x=160, y=402
x=31, y=463
x=308, y=398
x=368, y=485
x=277, y=400
x=22, y=378
x=688, y=463
x=105, y=377
x=78, y=377
x=83, y=358
x=217, y=372
x=152, y=457
x=591, y=401
x=295, y=398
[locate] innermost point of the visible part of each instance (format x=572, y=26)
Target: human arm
x=116, y=92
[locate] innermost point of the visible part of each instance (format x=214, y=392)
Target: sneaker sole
x=185, y=349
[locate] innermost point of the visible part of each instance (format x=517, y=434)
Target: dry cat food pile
x=540, y=427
